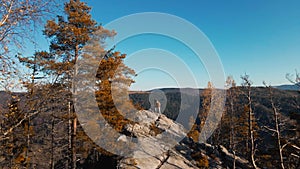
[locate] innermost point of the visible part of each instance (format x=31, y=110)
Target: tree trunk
x=247, y=83
x=69, y=134
x=275, y=113
x=231, y=138
x=52, y=143
x=251, y=130
x=28, y=144
x=74, y=119
x=73, y=141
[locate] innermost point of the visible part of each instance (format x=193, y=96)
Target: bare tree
x=276, y=129
x=295, y=79
x=231, y=96
x=251, y=118
x=18, y=21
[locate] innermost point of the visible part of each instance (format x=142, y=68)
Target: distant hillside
x=286, y=99
x=289, y=87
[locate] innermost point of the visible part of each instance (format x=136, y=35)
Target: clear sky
x=257, y=37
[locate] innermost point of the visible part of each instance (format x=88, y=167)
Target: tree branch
x=273, y=130
x=4, y=19
x=17, y=125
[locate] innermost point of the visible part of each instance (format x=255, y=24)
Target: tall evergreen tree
x=114, y=78
x=68, y=35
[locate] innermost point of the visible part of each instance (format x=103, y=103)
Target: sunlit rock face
x=156, y=137
x=162, y=143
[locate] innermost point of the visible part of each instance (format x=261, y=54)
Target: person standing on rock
x=157, y=106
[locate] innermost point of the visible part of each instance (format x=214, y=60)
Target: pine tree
x=68, y=36
x=114, y=79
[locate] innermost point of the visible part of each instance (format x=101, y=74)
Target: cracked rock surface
x=162, y=144
x=156, y=136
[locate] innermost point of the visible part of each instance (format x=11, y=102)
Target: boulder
x=156, y=136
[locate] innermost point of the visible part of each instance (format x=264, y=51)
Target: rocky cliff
x=163, y=144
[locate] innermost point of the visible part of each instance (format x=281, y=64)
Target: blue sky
x=260, y=38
